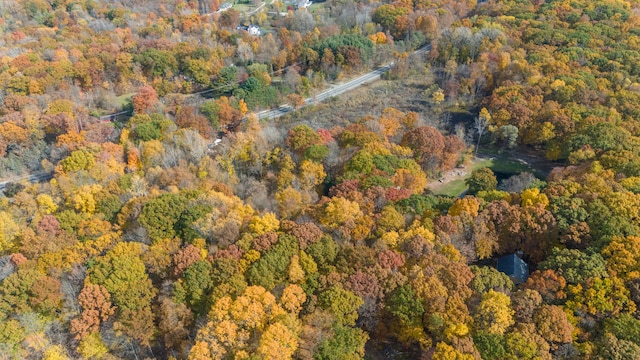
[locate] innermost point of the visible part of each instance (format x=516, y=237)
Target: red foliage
x=548, y=283
x=265, y=241
x=307, y=234
x=144, y=99
x=325, y=135
x=48, y=226
x=188, y=118
x=395, y=194
x=185, y=258
x=346, y=189
x=18, y=259
x=364, y=284
x=390, y=259
x=232, y=252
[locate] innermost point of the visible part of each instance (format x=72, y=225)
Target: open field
x=453, y=183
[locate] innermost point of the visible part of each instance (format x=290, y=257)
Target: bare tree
x=480, y=125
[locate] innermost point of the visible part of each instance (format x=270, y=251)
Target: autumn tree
x=494, y=313
x=144, y=99
x=481, y=180
x=96, y=308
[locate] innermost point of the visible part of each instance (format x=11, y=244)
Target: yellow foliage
x=46, y=203
x=13, y=133
x=468, y=205
x=92, y=347
x=231, y=322
x=264, y=224
x=414, y=181
x=296, y=274
x=242, y=106
x=378, y=38
x=485, y=114
x=249, y=258
x=623, y=257
x=293, y=296
x=55, y=352
x=84, y=198
x=290, y=202
x=151, y=151
x=448, y=352
x=631, y=183
x=60, y=106
x=390, y=238
x=457, y=330
x=437, y=97
x=311, y=174
x=533, y=197
x=363, y=227
x=339, y=210
x=494, y=313
x=277, y=343
x=72, y=140
x=8, y=231
x=417, y=230
x=450, y=252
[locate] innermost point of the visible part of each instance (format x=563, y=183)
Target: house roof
x=513, y=266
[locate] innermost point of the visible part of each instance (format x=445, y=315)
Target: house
x=516, y=268
x=300, y=4
x=251, y=29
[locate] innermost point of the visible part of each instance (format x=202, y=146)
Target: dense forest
x=186, y=227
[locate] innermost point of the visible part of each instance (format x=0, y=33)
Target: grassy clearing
x=499, y=164
x=124, y=99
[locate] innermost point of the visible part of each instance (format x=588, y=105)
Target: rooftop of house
x=514, y=267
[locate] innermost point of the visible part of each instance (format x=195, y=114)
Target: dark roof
x=513, y=266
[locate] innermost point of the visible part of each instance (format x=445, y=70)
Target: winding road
x=337, y=89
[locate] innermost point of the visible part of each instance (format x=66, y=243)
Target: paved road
x=267, y=114
x=337, y=89
x=37, y=177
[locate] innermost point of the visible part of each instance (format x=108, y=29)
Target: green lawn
x=124, y=99
x=501, y=164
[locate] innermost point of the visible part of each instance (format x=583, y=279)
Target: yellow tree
x=340, y=210
x=494, y=314
x=277, y=343
x=623, y=257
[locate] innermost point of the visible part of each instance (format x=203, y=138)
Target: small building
x=251, y=29
x=516, y=268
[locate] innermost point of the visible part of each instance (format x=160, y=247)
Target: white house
x=253, y=30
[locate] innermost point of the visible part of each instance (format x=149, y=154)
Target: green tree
x=482, y=180
x=574, y=265
x=160, y=215
x=490, y=346
x=405, y=305
x=342, y=303
x=346, y=343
